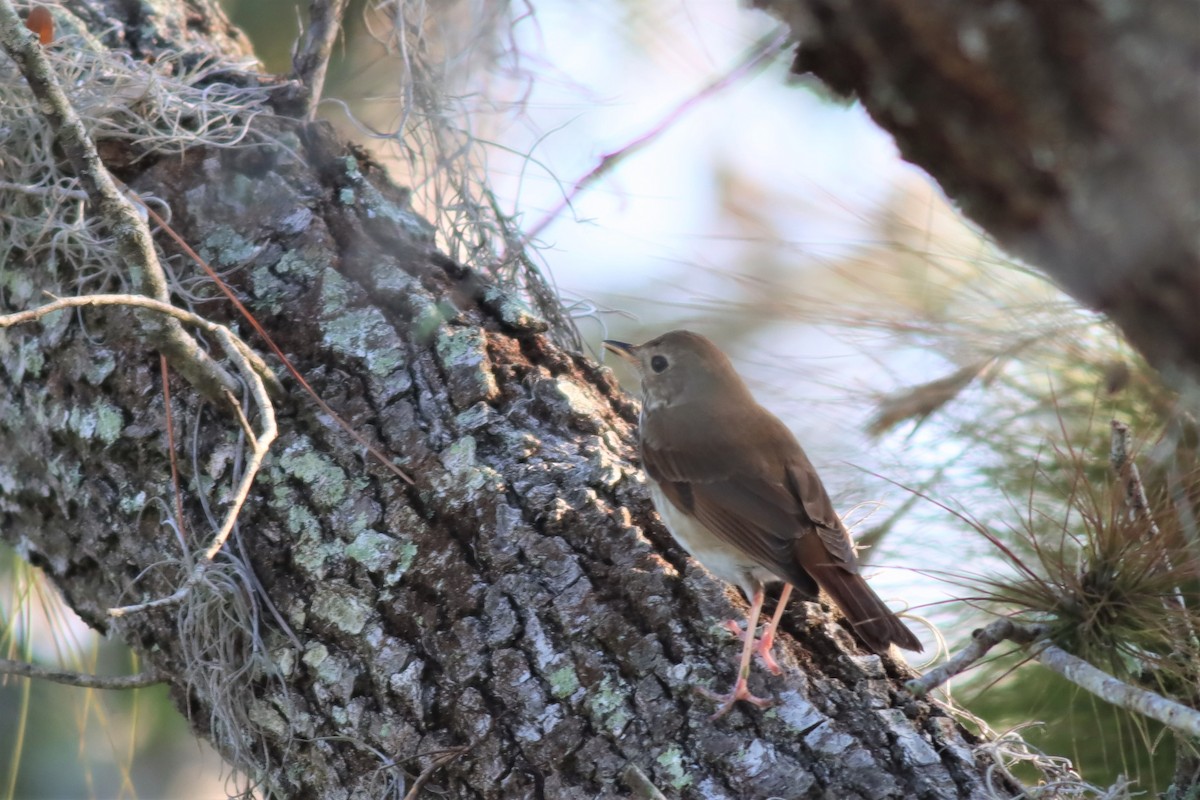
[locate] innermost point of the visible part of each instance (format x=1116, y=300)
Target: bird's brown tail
x=873, y=621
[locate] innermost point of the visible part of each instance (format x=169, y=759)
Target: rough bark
x=1066, y=129
x=517, y=618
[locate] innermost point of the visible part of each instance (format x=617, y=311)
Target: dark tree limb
x=1067, y=130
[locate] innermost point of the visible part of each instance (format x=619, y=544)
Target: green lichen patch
x=464, y=477
x=132, y=504
x=103, y=421
x=673, y=768
x=327, y=483
x=228, y=248
x=563, y=682
x=312, y=554
x=341, y=609
x=336, y=293
x=366, y=335
x=379, y=552
x=607, y=705
x=406, y=553
x=269, y=289
x=328, y=668
x=303, y=263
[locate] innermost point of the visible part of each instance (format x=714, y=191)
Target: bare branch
x=982, y=641
x=1079, y=672
x=756, y=56
x=1172, y=714
x=310, y=58
x=80, y=679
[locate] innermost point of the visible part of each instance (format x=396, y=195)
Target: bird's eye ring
x=658, y=363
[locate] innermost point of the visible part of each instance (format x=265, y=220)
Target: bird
x=735, y=489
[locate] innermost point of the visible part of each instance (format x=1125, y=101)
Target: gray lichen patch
x=569, y=401
x=264, y=715
x=608, y=705
x=226, y=247
x=364, y=335
x=379, y=207
x=464, y=477
x=514, y=313
x=338, y=606
x=916, y=749
x=269, y=288
x=102, y=421
x=303, y=263
x=463, y=355
x=379, y=552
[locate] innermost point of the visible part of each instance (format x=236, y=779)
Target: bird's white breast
x=721, y=559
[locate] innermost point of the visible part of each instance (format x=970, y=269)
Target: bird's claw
x=741, y=691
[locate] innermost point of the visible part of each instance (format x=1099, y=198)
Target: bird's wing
x=742, y=503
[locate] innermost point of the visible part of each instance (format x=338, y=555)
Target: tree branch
x=1079, y=672
x=311, y=59
x=80, y=679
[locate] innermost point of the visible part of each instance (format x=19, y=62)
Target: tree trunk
x=1067, y=129
x=516, y=619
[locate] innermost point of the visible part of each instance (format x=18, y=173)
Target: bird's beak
x=624, y=350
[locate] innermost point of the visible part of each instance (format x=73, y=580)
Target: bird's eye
x=658, y=363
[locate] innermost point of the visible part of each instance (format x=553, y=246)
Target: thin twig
x=757, y=55
x=80, y=679
x=132, y=236
x=438, y=762
x=1139, y=508
x=169, y=415
x=233, y=346
x=639, y=784
x=1135, y=493
x=258, y=328
x=982, y=641
x=311, y=55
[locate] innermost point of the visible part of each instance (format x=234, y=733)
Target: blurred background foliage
x=905, y=351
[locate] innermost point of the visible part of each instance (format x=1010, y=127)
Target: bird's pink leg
x=741, y=691
x=767, y=641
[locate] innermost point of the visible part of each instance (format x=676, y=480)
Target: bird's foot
x=741, y=691
x=762, y=646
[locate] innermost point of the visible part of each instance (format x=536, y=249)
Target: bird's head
x=680, y=368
